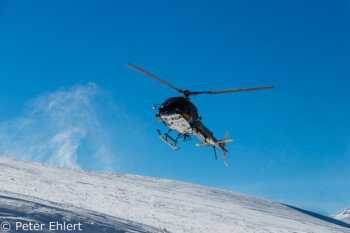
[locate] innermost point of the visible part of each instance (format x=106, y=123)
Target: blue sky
x=67, y=98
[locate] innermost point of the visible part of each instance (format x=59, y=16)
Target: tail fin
x=223, y=144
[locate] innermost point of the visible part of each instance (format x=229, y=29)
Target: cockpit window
x=178, y=105
x=176, y=101
x=173, y=100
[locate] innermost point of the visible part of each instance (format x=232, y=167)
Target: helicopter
x=179, y=114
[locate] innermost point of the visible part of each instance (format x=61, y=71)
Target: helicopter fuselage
x=178, y=113
x=181, y=115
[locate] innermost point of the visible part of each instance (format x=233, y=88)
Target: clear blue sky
x=292, y=143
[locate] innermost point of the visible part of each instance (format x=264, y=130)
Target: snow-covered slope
x=110, y=202
x=343, y=215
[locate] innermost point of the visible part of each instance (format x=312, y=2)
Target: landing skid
x=174, y=147
x=168, y=137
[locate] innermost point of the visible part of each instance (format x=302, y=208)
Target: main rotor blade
x=230, y=90
x=152, y=76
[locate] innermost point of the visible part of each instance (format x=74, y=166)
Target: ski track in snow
x=112, y=202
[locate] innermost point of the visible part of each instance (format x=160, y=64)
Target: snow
x=112, y=202
x=343, y=215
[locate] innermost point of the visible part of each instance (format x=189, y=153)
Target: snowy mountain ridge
x=112, y=202
x=343, y=215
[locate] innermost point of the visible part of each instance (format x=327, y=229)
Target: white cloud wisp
x=54, y=126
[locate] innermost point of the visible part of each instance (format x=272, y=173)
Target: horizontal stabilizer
x=225, y=140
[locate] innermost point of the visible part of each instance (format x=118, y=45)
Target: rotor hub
x=186, y=93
